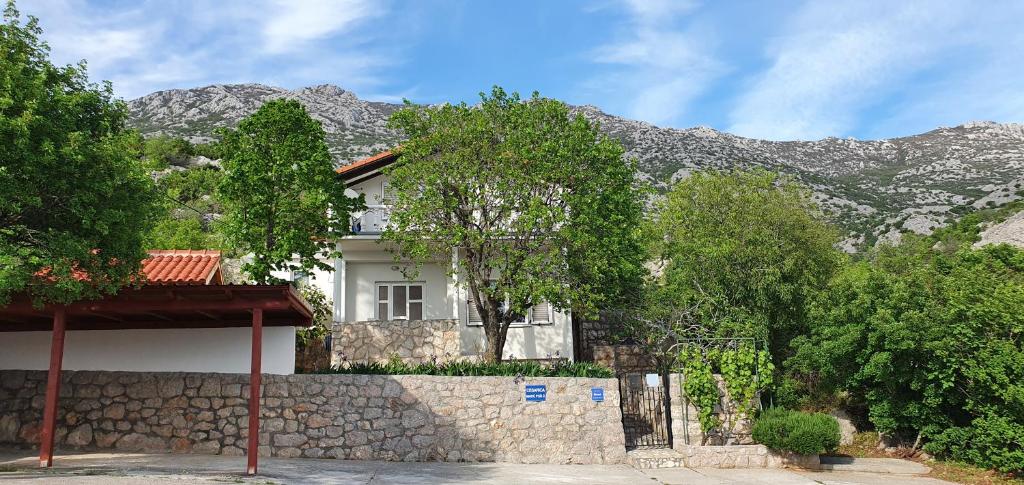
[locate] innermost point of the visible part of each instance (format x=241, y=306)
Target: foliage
x=396, y=366
x=928, y=338
x=995, y=442
x=796, y=432
x=539, y=203
x=751, y=243
x=163, y=150
x=174, y=233
x=701, y=390
x=322, y=316
x=74, y=199
x=745, y=372
x=280, y=194
x=190, y=207
x=211, y=150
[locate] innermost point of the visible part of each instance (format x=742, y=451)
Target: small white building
x=379, y=312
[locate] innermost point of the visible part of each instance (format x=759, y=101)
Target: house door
x=645, y=410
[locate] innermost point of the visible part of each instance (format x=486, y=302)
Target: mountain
x=873, y=188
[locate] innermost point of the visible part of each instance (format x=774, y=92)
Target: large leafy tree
x=928, y=339
x=539, y=204
x=749, y=246
x=282, y=201
x=74, y=199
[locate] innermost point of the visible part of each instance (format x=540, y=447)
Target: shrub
x=797, y=432
x=991, y=441
x=395, y=366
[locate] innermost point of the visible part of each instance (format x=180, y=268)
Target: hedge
x=561, y=368
x=797, y=432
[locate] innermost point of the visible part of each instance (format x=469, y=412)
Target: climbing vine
x=700, y=388
x=745, y=372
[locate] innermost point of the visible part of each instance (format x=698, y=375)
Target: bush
x=395, y=366
x=992, y=441
x=797, y=432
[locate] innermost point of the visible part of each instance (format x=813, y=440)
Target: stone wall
x=623, y=358
x=744, y=456
x=408, y=418
x=414, y=341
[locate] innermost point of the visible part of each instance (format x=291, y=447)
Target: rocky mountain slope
x=873, y=188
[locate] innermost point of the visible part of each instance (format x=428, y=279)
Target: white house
x=378, y=310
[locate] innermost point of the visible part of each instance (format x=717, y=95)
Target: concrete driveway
x=19, y=467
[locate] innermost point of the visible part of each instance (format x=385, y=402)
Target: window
x=300, y=278
x=387, y=196
x=538, y=314
x=399, y=301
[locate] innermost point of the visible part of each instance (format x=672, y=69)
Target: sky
x=780, y=70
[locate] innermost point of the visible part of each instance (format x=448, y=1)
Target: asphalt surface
x=21, y=467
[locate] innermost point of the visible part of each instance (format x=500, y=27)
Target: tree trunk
x=495, y=346
x=496, y=332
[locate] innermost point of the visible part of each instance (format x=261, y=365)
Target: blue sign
x=597, y=394
x=536, y=392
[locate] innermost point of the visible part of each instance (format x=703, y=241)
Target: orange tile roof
x=382, y=156
x=182, y=267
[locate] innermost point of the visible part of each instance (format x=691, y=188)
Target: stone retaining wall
x=743, y=456
x=414, y=341
x=409, y=418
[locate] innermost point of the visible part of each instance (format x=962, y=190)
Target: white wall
x=371, y=188
x=162, y=350
x=523, y=342
x=362, y=279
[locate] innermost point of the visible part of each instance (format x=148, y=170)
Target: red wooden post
x=254, y=390
x=52, y=388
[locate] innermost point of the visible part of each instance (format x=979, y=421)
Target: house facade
x=381, y=309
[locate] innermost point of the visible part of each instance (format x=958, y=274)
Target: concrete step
x=655, y=458
x=894, y=466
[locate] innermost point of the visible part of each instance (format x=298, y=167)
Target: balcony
x=371, y=221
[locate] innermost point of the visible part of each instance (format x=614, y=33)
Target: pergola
x=157, y=307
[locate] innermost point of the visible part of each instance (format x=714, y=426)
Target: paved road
x=18, y=467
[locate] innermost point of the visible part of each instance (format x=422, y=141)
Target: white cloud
x=661, y=67
x=156, y=44
x=836, y=64
x=292, y=25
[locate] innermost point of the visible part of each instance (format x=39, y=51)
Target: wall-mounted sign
x=536, y=392
x=653, y=380
x=597, y=394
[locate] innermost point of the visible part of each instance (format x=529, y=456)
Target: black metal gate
x=645, y=410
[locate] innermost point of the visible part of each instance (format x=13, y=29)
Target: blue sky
x=778, y=70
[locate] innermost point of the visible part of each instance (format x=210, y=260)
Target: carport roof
x=176, y=306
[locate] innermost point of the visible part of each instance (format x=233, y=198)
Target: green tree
x=281, y=197
x=752, y=243
x=928, y=340
x=163, y=150
x=526, y=193
x=74, y=199
x=190, y=208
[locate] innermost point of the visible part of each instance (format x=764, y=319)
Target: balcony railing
x=372, y=221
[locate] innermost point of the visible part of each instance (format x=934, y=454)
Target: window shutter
x=540, y=313
x=473, y=317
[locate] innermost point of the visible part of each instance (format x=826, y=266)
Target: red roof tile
x=182, y=267
x=382, y=157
